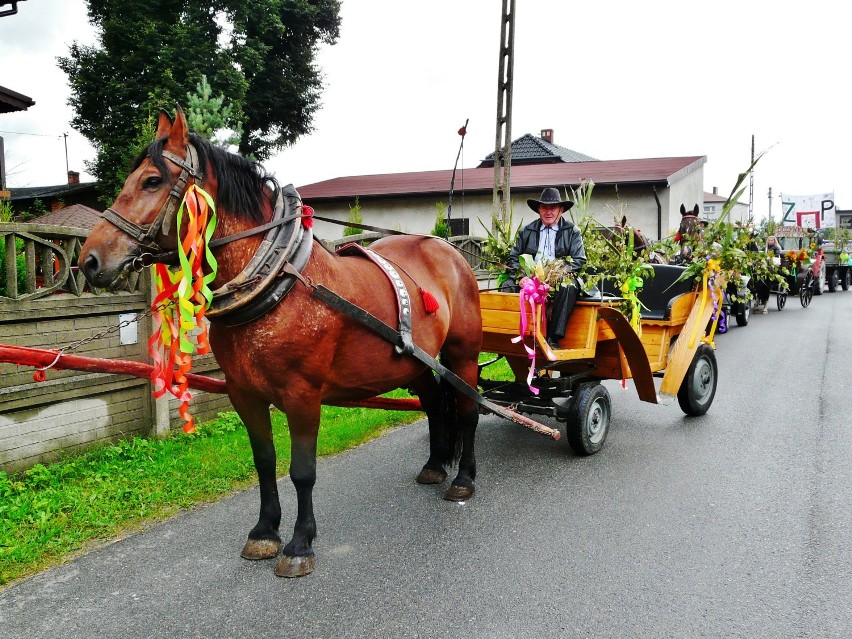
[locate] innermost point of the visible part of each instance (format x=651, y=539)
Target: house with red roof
x=713, y=203
x=648, y=191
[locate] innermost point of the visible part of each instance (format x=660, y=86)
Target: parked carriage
x=601, y=344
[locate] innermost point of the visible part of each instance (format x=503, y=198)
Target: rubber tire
x=588, y=419
x=819, y=284
x=806, y=292
x=846, y=279
x=781, y=301
x=833, y=281
x=698, y=388
x=743, y=313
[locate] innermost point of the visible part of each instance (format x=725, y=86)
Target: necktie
x=549, y=237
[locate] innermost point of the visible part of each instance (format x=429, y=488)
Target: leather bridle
x=144, y=234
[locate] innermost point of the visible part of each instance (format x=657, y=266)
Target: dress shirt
x=546, y=243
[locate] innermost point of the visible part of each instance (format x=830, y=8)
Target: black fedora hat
x=550, y=196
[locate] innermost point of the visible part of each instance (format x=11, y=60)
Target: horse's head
x=689, y=222
x=689, y=226
x=141, y=222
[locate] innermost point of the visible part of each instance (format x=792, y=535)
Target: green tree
x=259, y=54
x=211, y=116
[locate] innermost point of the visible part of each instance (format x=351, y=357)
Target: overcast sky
x=615, y=79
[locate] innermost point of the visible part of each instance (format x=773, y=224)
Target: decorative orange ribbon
x=182, y=299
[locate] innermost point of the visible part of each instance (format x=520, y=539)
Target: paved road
x=735, y=524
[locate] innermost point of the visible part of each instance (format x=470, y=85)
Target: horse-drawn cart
x=804, y=274
x=601, y=344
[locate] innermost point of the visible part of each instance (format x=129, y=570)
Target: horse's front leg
x=263, y=540
x=298, y=558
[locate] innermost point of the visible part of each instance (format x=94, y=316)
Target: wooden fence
x=46, y=303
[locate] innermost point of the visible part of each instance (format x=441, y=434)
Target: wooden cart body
x=601, y=344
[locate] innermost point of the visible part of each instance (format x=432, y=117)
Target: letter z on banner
x=812, y=211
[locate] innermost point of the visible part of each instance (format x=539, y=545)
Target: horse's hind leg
x=464, y=421
x=263, y=540
x=453, y=418
x=429, y=392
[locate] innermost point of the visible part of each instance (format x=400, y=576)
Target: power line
x=41, y=135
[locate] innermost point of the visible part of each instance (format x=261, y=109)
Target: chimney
x=73, y=177
x=715, y=190
x=547, y=135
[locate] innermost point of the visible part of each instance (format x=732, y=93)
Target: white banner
x=812, y=211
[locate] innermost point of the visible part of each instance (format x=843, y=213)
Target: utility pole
x=503, y=143
x=769, y=217
x=67, y=168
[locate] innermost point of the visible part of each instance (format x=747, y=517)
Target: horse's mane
x=242, y=184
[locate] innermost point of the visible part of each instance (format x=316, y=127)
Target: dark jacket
x=569, y=241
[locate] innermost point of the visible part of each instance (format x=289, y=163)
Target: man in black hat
x=547, y=238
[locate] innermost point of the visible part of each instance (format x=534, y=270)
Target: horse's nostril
x=91, y=266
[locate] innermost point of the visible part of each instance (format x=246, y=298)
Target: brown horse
x=640, y=243
x=690, y=225
x=301, y=353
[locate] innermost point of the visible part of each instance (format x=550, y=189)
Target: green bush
x=355, y=217
x=441, y=228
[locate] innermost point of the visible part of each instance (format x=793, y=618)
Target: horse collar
x=144, y=234
x=264, y=281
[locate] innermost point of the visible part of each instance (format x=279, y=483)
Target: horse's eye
x=152, y=182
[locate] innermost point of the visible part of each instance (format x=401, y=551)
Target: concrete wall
x=73, y=410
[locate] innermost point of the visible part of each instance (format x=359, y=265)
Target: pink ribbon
x=533, y=293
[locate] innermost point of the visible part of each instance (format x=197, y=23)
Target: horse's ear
x=624, y=221
x=682, y=209
x=164, y=125
x=695, y=210
x=179, y=135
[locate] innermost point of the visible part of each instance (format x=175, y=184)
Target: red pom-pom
x=429, y=301
x=307, y=216
x=677, y=238
x=39, y=376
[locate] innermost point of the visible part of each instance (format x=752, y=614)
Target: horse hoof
x=260, y=549
x=295, y=566
x=429, y=476
x=458, y=493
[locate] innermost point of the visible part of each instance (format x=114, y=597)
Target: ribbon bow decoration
x=533, y=294
x=629, y=288
x=711, y=272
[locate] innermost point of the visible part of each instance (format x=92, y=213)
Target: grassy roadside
x=53, y=512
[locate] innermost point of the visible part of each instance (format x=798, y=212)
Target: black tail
x=453, y=435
